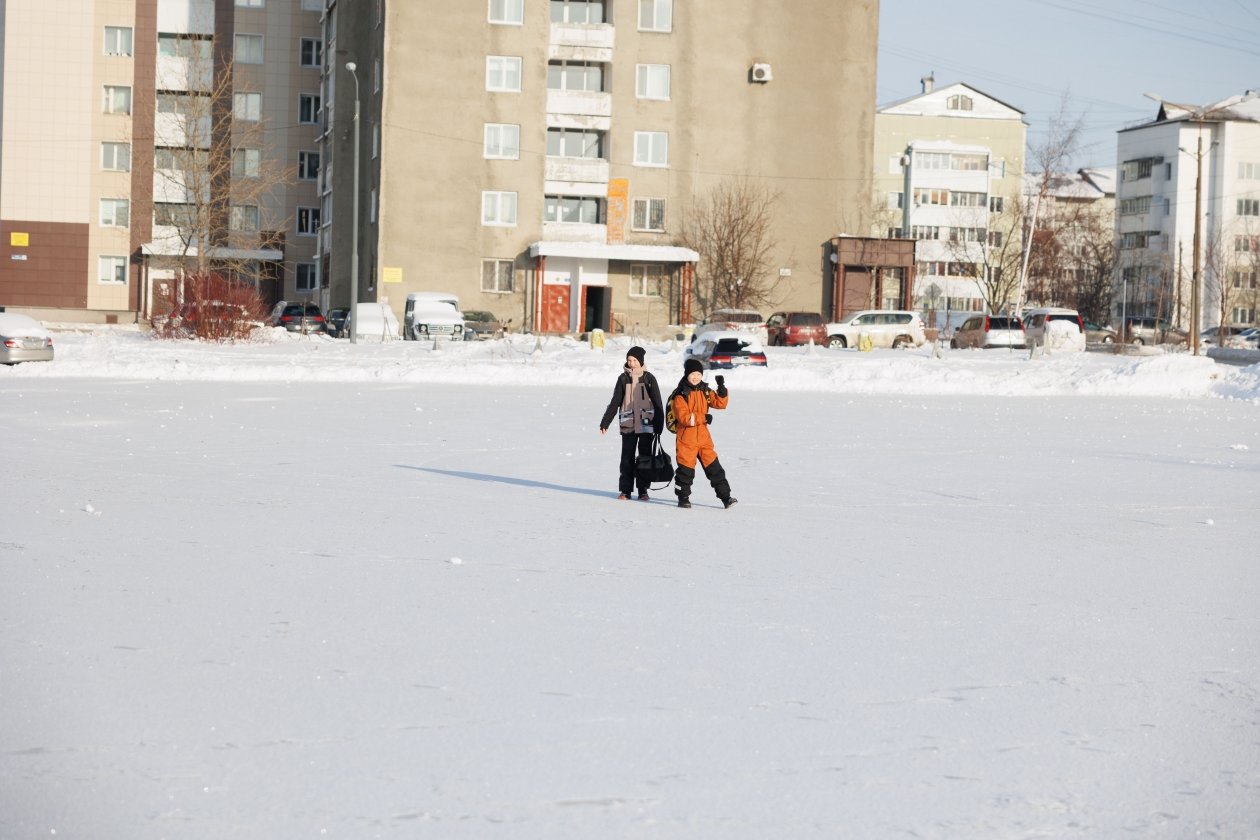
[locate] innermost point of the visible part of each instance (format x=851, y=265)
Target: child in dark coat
x=636, y=401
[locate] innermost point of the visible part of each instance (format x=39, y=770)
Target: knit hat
x=693, y=366
x=637, y=352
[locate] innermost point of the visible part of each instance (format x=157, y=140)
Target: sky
x=1102, y=57
x=295, y=587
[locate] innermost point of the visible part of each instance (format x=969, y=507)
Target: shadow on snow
x=505, y=479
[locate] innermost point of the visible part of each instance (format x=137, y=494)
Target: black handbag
x=656, y=466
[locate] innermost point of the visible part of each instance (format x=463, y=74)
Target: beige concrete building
x=92, y=190
x=949, y=165
x=537, y=159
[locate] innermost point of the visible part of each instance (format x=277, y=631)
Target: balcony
x=595, y=36
x=583, y=102
x=574, y=232
x=581, y=170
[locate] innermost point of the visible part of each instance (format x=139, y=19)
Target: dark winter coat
x=646, y=380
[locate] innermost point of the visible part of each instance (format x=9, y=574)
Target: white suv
x=1054, y=328
x=886, y=328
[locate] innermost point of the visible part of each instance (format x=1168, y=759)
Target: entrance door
x=596, y=308
x=555, y=307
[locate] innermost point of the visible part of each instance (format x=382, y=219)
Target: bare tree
x=730, y=228
x=992, y=255
x=217, y=183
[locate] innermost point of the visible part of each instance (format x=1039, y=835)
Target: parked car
x=1249, y=338
x=1096, y=333
x=376, y=322
x=787, y=329
x=335, y=322
x=479, y=323
x=296, y=316
x=1223, y=336
x=985, y=331
x=1054, y=327
x=737, y=320
x=725, y=349
x=886, y=327
x=432, y=316
x=23, y=339
x=1148, y=330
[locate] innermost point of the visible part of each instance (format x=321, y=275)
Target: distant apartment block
x=949, y=164
x=1159, y=164
x=539, y=159
x=142, y=139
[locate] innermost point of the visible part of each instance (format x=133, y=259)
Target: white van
x=377, y=322
x=432, y=315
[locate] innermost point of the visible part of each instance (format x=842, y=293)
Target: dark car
x=297, y=317
x=335, y=323
x=788, y=329
x=480, y=324
x=724, y=350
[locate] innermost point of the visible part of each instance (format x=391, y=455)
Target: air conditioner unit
x=762, y=73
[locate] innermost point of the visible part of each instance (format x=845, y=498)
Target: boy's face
x=632, y=364
x=694, y=377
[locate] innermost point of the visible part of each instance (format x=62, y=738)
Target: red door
x=555, y=308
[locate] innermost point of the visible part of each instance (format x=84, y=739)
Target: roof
x=940, y=94
x=1244, y=107
x=623, y=253
x=1088, y=184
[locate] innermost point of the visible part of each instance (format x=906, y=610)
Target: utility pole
x=1198, y=233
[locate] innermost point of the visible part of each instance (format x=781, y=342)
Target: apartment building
x=1161, y=212
x=949, y=164
x=539, y=159
x=141, y=139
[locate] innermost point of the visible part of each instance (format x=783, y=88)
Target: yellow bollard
x=865, y=344
x=597, y=339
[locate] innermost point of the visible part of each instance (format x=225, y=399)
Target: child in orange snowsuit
x=691, y=402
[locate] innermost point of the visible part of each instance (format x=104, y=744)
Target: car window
x=864, y=319
x=729, y=345
x=775, y=320
x=970, y=324
x=998, y=323
x=807, y=319
x=899, y=318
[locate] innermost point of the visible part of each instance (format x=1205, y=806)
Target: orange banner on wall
x=618, y=190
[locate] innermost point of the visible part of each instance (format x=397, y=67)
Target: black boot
x=728, y=501
x=683, y=476
x=683, y=502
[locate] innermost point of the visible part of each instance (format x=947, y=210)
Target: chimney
x=928, y=82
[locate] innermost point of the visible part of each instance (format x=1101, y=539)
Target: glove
x=708, y=419
x=721, y=381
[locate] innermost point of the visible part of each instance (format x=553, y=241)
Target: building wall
x=806, y=135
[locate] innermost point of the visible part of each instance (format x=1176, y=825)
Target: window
x=312, y=53
x=372, y=206
x=577, y=11
x=925, y=232
x=117, y=99
x=503, y=73
x=656, y=15
x=376, y=75
x=247, y=106
x=245, y=162
x=312, y=5
x=497, y=276
x=308, y=166
x=959, y=102
x=184, y=46
x=969, y=163
x=1135, y=206
x=245, y=217
x=958, y=198
x=1248, y=171
x=931, y=160
x=308, y=108
x=1167, y=171
x=116, y=157
x=649, y=214
x=1246, y=244
x=652, y=81
x=249, y=49
x=1135, y=170
x=575, y=75
x=250, y=4
x=498, y=209
x=1244, y=315
x=995, y=238
x=575, y=142
x=502, y=141
x=996, y=203
x=112, y=270
x=376, y=140
x=305, y=277
x=118, y=40
x=180, y=159
x=507, y=11
x=1249, y=207
x=651, y=148
x=1137, y=239
x=307, y=221
x=174, y=215
x=578, y=209
x=115, y=212
x=893, y=201
x=922, y=195
x=1245, y=280
x=646, y=280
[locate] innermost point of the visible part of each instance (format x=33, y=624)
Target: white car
x=738, y=320
x=23, y=339
x=377, y=322
x=1055, y=328
x=886, y=328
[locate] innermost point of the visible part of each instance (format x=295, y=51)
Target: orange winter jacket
x=693, y=433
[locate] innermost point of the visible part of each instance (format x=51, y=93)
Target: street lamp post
x=354, y=222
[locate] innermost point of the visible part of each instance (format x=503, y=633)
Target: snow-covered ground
x=298, y=588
